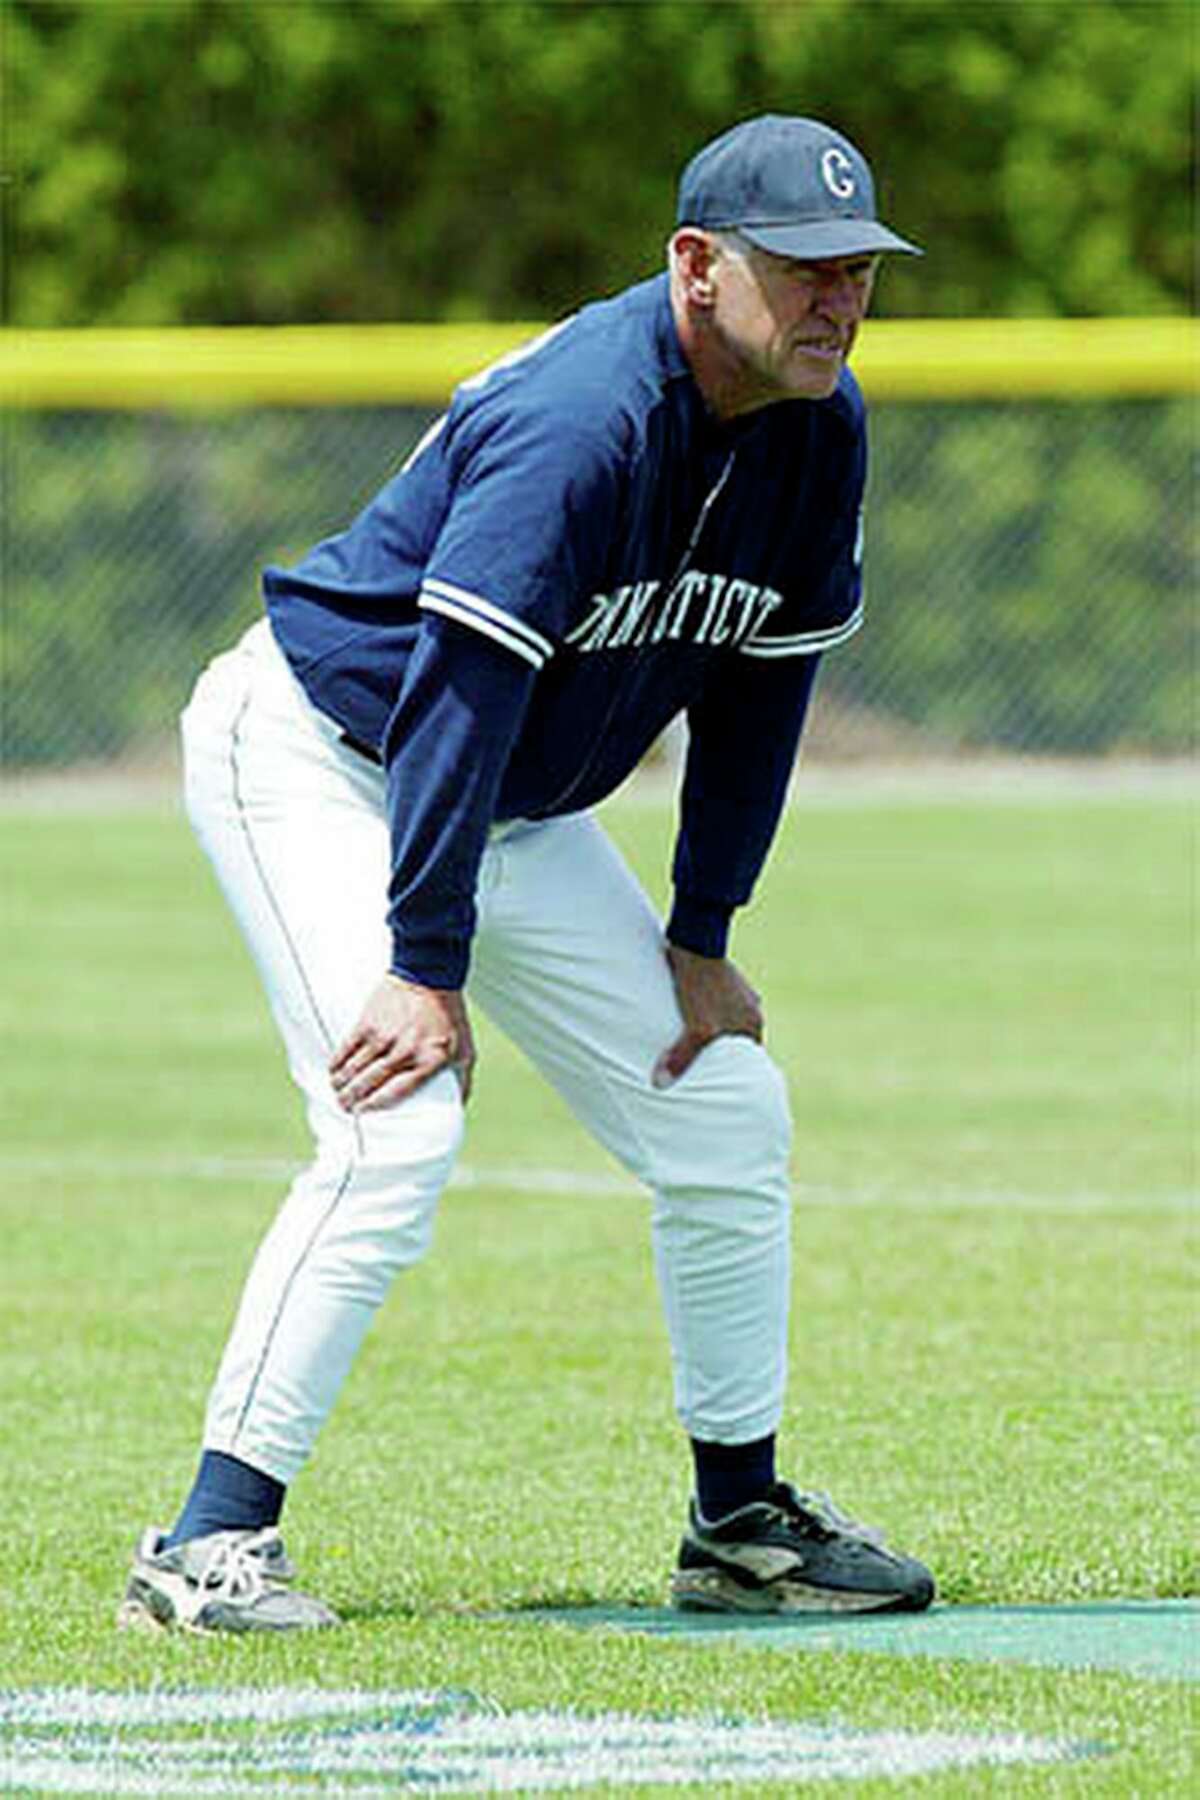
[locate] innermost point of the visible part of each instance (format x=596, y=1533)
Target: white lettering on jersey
x=700, y=609
x=687, y=587
x=638, y=599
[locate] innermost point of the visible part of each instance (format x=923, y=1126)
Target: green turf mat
x=1155, y=1638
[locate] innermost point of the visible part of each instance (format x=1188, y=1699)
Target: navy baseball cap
x=793, y=186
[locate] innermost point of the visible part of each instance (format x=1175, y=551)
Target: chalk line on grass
x=280, y=1740
x=590, y=1184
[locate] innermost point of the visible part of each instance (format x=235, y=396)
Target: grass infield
x=983, y=1009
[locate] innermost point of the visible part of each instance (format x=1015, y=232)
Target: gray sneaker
x=793, y=1553
x=229, y=1581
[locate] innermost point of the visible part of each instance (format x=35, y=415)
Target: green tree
x=237, y=160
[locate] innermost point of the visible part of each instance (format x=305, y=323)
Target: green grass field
x=983, y=1006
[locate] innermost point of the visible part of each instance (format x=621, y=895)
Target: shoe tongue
x=805, y=1510
x=276, y=1559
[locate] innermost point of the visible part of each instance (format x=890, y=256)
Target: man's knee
x=382, y=1175
x=727, y=1123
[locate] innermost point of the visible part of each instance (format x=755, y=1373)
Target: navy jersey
x=574, y=554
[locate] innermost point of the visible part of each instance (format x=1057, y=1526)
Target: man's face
x=786, y=327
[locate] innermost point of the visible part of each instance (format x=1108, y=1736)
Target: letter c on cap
x=837, y=171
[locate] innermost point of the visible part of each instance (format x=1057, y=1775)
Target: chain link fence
x=1030, y=570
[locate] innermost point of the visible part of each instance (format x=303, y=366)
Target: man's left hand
x=716, y=1000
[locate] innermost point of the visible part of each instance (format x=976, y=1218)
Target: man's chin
x=816, y=378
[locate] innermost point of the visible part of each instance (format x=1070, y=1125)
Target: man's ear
x=694, y=255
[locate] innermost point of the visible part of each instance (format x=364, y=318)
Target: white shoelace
x=824, y=1508
x=233, y=1568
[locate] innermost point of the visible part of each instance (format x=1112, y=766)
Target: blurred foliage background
x=177, y=161
x=1031, y=566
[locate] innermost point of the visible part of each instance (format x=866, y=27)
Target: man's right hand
x=406, y=1034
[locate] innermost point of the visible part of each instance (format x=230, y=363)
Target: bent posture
x=654, y=510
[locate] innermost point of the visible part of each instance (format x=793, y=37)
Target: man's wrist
x=430, y=965
x=701, y=926
x=403, y=978
x=439, y=977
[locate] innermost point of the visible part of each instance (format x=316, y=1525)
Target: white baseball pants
x=569, y=961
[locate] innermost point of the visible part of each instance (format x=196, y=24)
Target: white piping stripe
x=804, y=643
x=445, y=590
x=429, y=437
x=464, y=616
x=298, y=964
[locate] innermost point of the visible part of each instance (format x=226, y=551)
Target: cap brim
x=828, y=237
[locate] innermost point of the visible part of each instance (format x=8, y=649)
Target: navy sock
x=228, y=1495
x=732, y=1475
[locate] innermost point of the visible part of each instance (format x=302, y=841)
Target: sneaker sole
x=133, y=1616
x=146, y=1609
x=708, y=1590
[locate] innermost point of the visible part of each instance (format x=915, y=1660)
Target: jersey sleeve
x=447, y=743
x=744, y=733
x=529, y=532
x=745, y=729
x=522, y=546
x=823, y=606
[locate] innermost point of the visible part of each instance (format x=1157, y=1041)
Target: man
x=652, y=510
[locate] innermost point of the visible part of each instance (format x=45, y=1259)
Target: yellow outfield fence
x=419, y=365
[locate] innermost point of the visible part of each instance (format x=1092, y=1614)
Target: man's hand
x=406, y=1034
x=715, y=1000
